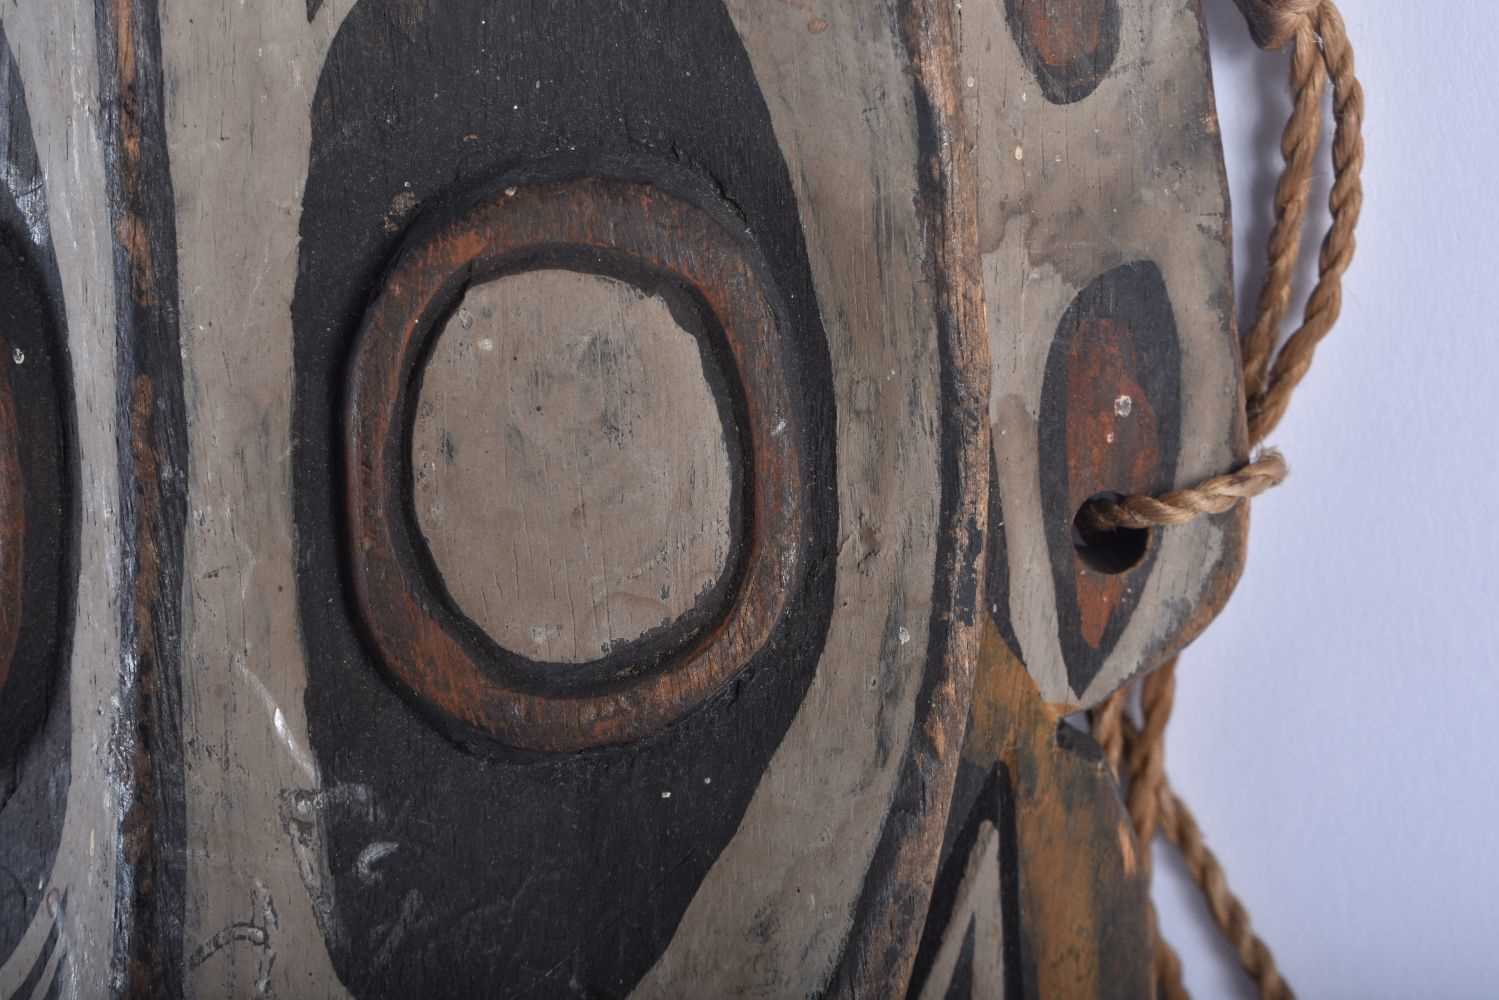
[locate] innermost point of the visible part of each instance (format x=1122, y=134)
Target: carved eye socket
x=574, y=465
x=34, y=501
x=679, y=509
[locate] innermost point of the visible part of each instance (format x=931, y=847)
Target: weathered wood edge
x=1078, y=872
x=1220, y=578
x=891, y=912
x=1235, y=553
x=151, y=427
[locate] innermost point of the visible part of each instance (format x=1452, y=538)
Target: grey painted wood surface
x=1130, y=172
x=571, y=476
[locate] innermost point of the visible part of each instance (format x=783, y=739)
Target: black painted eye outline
x=626, y=229
x=35, y=498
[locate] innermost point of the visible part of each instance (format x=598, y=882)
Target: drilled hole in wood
x=1107, y=550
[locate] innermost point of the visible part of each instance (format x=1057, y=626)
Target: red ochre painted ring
x=423, y=641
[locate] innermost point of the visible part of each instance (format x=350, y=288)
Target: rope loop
x=1321, y=53
x=1275, y=23
x=1214, y=496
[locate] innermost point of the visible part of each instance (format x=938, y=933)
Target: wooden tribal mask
x=578, y=499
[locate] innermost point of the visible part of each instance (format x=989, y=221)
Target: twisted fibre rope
x=1213, y=496
x=1138, y=751
x=1320, y=52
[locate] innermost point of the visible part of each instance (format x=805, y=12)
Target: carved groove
x=626, y=230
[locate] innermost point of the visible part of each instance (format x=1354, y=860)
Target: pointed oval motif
x=1069, y=45
x=1109, y=406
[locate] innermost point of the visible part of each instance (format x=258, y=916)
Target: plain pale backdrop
x=1335, y=729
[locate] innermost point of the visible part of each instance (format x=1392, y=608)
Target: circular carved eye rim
x=426, y=646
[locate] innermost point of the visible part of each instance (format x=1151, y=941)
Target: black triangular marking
x=961, y=986
x=43, y=962
x=988, y=827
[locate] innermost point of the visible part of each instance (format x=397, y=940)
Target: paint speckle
x=486, y=345
x=903, y=635
x=666, y=795
x=369, y=857
x=1019, y=153
x=780, y=428
x=510, y=192
x=972, y=83
x=400, y=207
x=1123, y=406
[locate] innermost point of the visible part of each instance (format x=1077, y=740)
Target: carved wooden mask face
x=502, y=494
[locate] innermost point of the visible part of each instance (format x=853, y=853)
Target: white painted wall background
x=1337, y=729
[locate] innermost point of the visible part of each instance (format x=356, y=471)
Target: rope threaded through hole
x=1321, y=52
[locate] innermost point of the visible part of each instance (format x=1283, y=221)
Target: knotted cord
x=1320, y=51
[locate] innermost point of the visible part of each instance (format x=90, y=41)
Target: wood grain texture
x=1073, y=873
x=1105, y=213
x=812, y=223
x=151, y=428
x=969, y=944
x=38, y=521
x=572, y=474
x=60, y=826
x=1069, y=45
x=887, y=928
x=239, y=133
x=863, y=102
